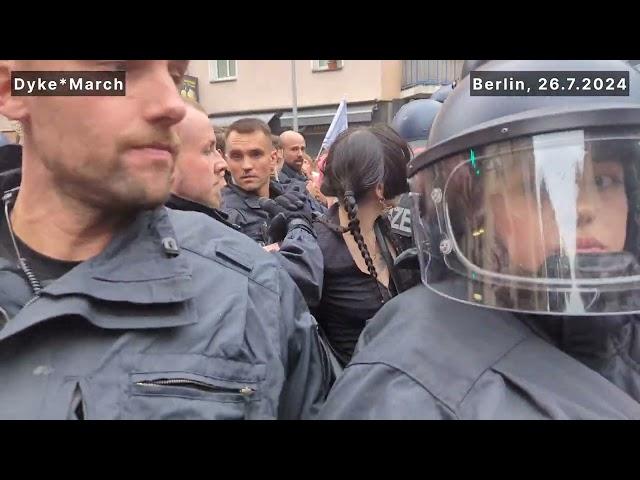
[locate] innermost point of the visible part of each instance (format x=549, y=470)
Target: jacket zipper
x=185, y=382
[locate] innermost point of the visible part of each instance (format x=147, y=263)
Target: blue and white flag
x=338, y=124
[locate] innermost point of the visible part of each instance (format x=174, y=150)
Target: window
x=324, y=65
x=222, y=70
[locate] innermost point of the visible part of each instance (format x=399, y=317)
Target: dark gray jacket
x=216, y=332
x=289, y=177
x=426, y=357
x=288, y=174
x=299, y=252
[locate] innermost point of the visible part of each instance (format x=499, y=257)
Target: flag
x=338, y=124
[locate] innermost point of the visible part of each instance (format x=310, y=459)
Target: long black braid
x=351, y=206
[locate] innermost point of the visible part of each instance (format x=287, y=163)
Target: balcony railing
x=430, y=72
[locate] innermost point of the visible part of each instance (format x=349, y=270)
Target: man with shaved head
x=293, y=148
x=113, y=306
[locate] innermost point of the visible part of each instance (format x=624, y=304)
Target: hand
x=287, y=211
x=272, y=247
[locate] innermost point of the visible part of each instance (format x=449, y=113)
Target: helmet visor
x=548, y=214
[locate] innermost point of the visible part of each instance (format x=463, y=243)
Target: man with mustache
x=293, y=148
x=115, y=307
x=291, y=171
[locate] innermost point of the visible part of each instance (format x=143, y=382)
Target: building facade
x=374, y=90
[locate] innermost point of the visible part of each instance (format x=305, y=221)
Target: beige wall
x=391, y=79
x=266, y=84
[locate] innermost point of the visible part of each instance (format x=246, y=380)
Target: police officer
x=116, y=307
x=413, y=123
x=292, y=148
x=200, y=168
x=527, y=221
x=277, y=219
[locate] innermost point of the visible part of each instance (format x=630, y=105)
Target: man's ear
x=12, y=107
x=380, y=192
x=273, y=160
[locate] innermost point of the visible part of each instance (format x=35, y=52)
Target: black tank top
x=349, y=296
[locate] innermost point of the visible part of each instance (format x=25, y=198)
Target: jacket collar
x=249, y=198
x=176, y=202
x=142, y=265
x=141, y=280
x=292, y=173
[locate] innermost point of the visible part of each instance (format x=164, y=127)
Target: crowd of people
x=477, y=258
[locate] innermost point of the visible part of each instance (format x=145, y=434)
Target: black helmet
x=466, y=121
x=443, y=92
x=532, y=203
x=413, y=122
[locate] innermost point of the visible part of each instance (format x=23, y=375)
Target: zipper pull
x=247, y=391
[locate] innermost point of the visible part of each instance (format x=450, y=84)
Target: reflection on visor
x=539, y=213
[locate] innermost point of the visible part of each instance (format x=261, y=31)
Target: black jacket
x=424, y=356
x=288, y=173
x=214, y=331
x=179, y=203
x=288, y=177
x=244, y=208
x=299, y=252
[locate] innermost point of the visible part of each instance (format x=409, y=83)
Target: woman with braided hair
x=365, y=170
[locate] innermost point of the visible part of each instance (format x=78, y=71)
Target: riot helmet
x=443, y=92
x=413, y=122
x=531, y=203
